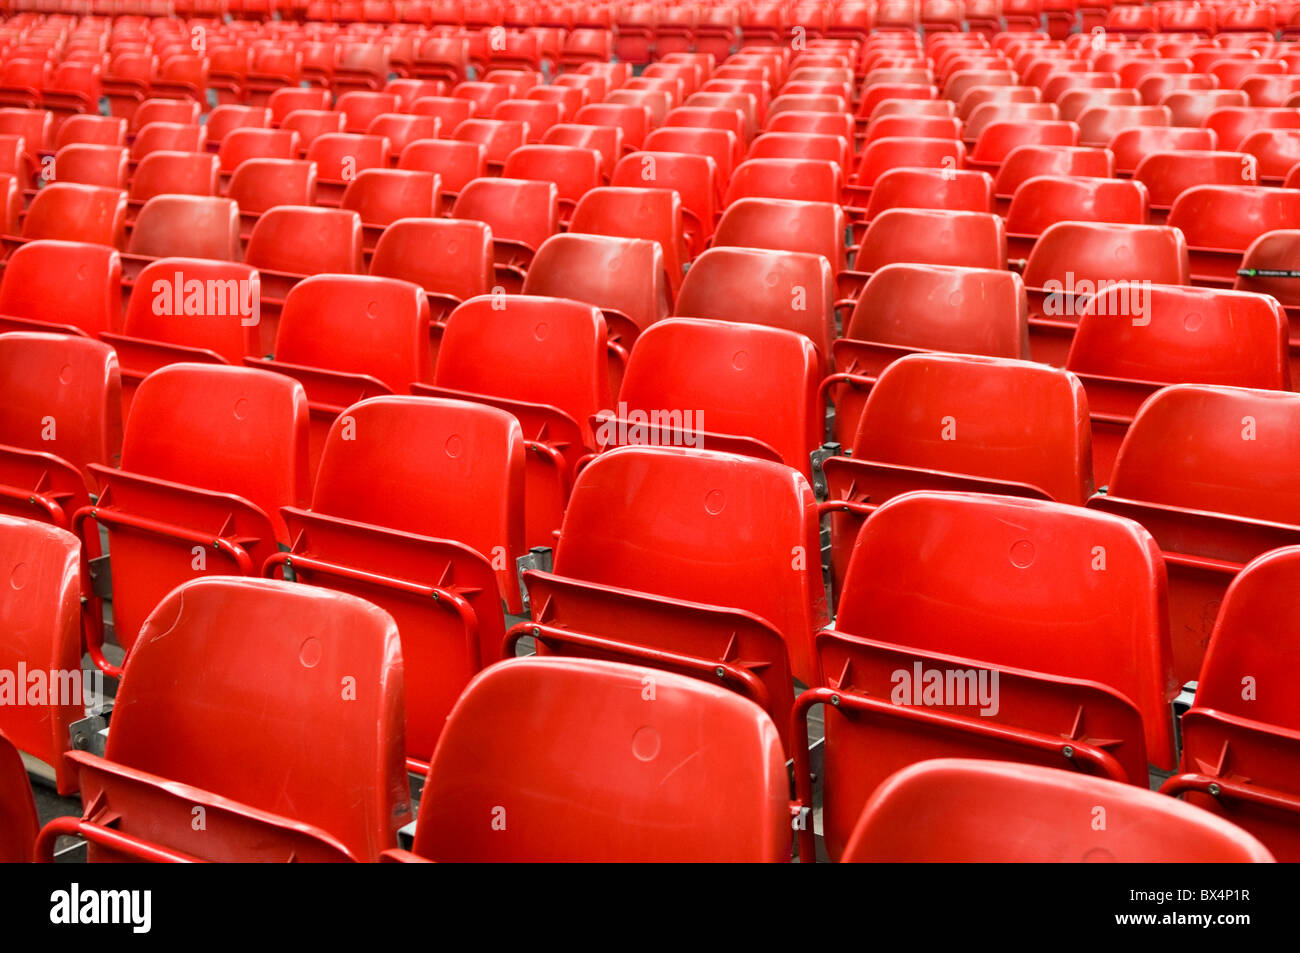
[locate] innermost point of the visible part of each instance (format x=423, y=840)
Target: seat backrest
x=791, y=290
x=457, y=163
x=229, y=429
x=382, y=196
x=105, y=166
x=518, y=210
x=962, y=191
x=575, y=171
x=444, y=256
x=1047, y=199
x=212, y=305
x=652, y=214
x=307, y=241
x=357, y=324
x=340, y=156
x=525, y=347
x=1027, y=161
x=678, y=533
x=167, y=136
x=785, y=225
x=895, y=152
x=1168, y=174
x=1105, y=251
x=625, y=275
x=247, y=142
x=311, y=124
x=1219, y=449
x=96, y=130
x=1063, y=591
x=494, y=791
x=64, y=282
x=1272, y=251
x=1231, y=217
x=933, y=237
x=1180, y=335
x=41, y=621
x=955, y=810
x=956, y=413
x=379, y=469
x=187, y=226
x=175, y=173
x=181, y=111
x=248, y=647
x=815, y=180
x=261, y=184
x=77, y=213
x=943, y=308
x=1130, y=146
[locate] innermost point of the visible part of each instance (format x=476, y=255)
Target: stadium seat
x=653, y=214
x=1221, y=221
x=724, y=799
x=91, y=130
x=809, y=180
x=1233, y=124
x=1167, y=175
x=783, y=225
x=246, y=143
x=575, y=171
x=457, y=163
x=932, y=237
x=1028, y=161
x=1095, y=701
x=450, y=259
x=693, y=177
x=947, y=810
x=104, y=166
x=910, y=308
x=1099, y=124
x=360, y=107
x=342, y=156
x=382, y=196
x=209, y=455
x=521, y=213
x=1239, y=736
x=184, y=226
x=175, y=111
x=175, y=173
x=77, y=213
x=236, y=646
x=401, y=129
x=431, y=538
x=1046, y=200
x=311, y=124
x=498, y=137
x=168, y=137
x=68, y=287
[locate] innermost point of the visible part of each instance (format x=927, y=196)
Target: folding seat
x=1275, y=151
x=1094, y=701
x=1130, y=146
x=1191, y=108
x=1075, y=102
x=105, y=166
x=167, y=136
x=1062, y=78
x=1155, y=88
x=61, y=414
x=257, y=185
x=1239, y=736
x=883, y=155
x=182, y=77
x=977, y=96
x=654, y=214
x=1046, y=199
x=582, y=804
x=782, y=225
x=634, y=120
x=91, y=130
x=340, y=157
x=243, y=143
x=175, y=111
x=1028, y=161
x=77, y=213
x=186, y=226
x=521, y=213
x=386, y=541
x=290, y=242
x=311, y=124
x=450, y=259
x=814, y=180
x=179, y=173
x=809, y=123
x=234, y=646
x=704, y=118
x=1168, y=174
x=785, y=145
x=499, y=138
x=997, y=140
x=382, y=196
x=484, y=96
x=21, y=82
x=694, y=177
x=596, y=87
x=194, y=470
x=227, y=118
x=929, y=188
x=545, y=360
x=1007, y=112
x=1132, y=339
x=575, y=171
x=286, y=101
x=723, y=146
x=1269, y=90
x=360, y=107
x=186, y=310
x=929, y=236
x=905, y=309
x=913, y=127
x=1234, y=124
x=961, y=81
x=19, y=823
x=915, y=816
x=1221, y=221
x=1098, y=125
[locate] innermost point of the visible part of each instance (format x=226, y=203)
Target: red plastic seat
x=77, y=213
x=1098, y=125
x=1045, y=200
x=167, y=136
x=62, y=413
x=1131, y=146
x=546, y=361
x=521, y=213
x=340, y=157
x=1027, y=161
x=619, y=803
x=173, y=111
x=19, y=823
x=340, y=359
x=68, y=287
x=693, y=177
x=225, y=119
x=1168, y=174
x=723, y=146
x=104, y=166
x=175, y=173
x=235, y=647
x=401, y=129
x=1221, y=221
x=998, y=139
x=932, y=237
x=989, y=113
x=311, y=124
x=811, y=180
x=1239, y=736
x=244, y=143
x=1269, y=91
x=360, y=107
x=209, y=453
x=653, y=214
x=284, y=102
x=172, y=320
x=92, y=130
x=1209, y=471
x=186, y=226
x=382, y=196
x=909, y=308
x=886, y=154
x=1074, y=102
x=1133, y=339
x=457, y=163
x=1192, y=107
x=258, y=185
x=783, y=225
x=575, y=171
x=1272, y=251
x=1234, y=124
x=449, y=258
x=946, y=810
x=634, y=120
